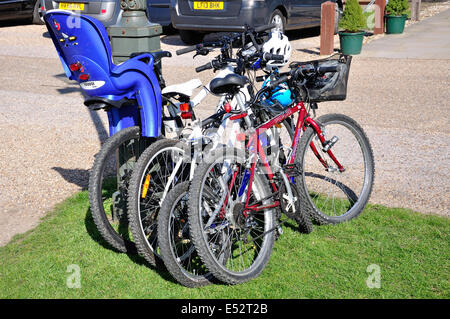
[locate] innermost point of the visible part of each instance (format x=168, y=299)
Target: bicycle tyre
x=312, y=200
x=173, y=213
x=149, y=160
x=99, y=215
x=218, y=267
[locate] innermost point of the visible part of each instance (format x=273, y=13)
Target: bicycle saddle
x=185, y=88
x=229, y=84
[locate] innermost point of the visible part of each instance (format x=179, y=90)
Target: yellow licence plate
x=71, y=6
x=208, y=5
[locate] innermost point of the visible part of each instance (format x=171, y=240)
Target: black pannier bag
x=331, y=86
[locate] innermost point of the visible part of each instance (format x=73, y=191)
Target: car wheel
x=191, y=37
x=278, y=18
x=338, y=9
x=38, y=16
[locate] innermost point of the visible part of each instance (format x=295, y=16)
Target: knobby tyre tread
x=134, y=200
x=95, y=193
x=197, y=231
x=172, y=265
x=366, y=148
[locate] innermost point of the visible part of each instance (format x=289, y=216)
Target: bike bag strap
x=157, y=56
x=98, y=102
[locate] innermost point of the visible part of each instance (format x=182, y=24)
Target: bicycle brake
x=330, y=143
x=202, y=51
x=292, y=170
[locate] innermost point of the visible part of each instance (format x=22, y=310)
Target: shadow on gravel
x=61, y=75
x=79, y=177
x=73, y=87
x=15, y=23
x=303, y=33
x=92, y=231
x=68, y=90
x=316, y=51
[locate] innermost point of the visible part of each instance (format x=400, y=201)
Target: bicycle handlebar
x=269, y=56
x=186, y=50
x=274, y=84
x=204, y=67
x=265, y=27
x=326, y=69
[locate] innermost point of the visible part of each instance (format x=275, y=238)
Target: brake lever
x=202, y=51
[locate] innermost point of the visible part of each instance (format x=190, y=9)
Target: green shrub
x=397, y=7
x=353, y=19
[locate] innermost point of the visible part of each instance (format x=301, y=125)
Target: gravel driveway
x=48, y=138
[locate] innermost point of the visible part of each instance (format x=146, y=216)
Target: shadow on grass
x=132, y=253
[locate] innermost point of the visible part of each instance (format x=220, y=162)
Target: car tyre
x=191, y=37
x=278, y=18
x=38, y=17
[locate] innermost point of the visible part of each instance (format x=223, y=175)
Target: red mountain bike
x=236, y=196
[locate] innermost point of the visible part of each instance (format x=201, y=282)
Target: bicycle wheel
x=329, y=195
x=108, y=185
x=149, y=185
x=177, y=250
x=234, y=246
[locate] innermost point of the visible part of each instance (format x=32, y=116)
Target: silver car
x=106, y=11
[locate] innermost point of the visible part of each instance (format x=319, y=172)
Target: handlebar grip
x=260, y=78
x=201, y=68
x=326, y=69
x=277, y=82
x=269, y=56
x=265, y=27
x=186, y=50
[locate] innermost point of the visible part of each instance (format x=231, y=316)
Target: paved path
x=429, y=39
x=48, y=138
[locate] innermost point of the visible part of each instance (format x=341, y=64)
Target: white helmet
x=278, y=43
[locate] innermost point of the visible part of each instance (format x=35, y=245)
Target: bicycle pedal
x=292, y=170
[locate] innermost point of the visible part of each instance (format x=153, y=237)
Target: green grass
x=411, y=249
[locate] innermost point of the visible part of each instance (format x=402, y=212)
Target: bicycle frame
x=255, y=147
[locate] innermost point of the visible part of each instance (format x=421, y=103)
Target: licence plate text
x=208, y=5
x=71, y=6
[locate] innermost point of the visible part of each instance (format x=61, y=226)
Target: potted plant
x=352, y=25
x=396, y=14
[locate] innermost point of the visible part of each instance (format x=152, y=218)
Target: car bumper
x=254, y=16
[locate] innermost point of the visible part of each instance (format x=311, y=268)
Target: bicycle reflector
x=237, y=117
x=145, y=188
x=75, y=66
x=185, y=111
x=84, y=77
